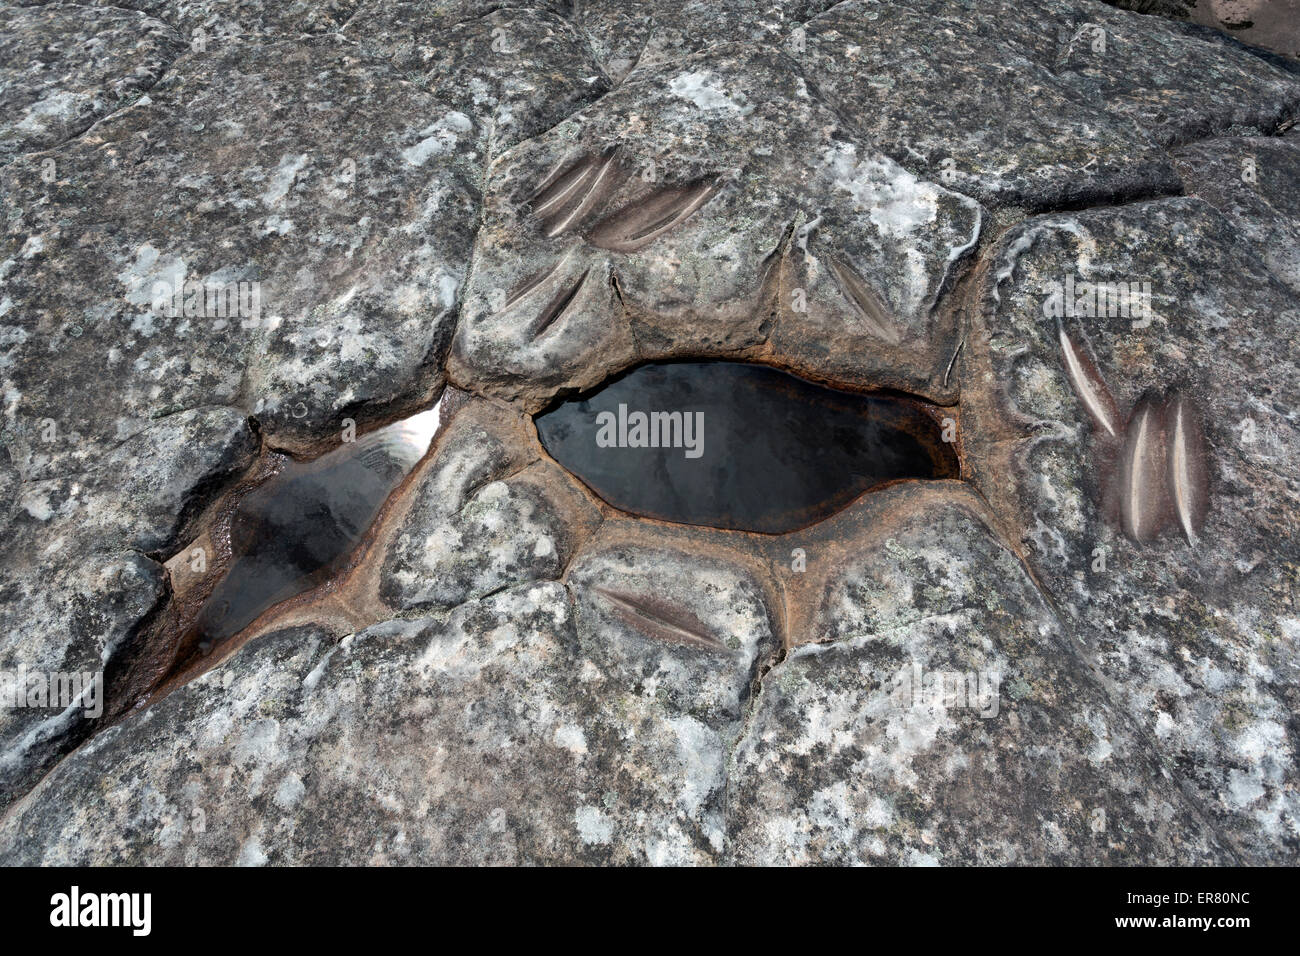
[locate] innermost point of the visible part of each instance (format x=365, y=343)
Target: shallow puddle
x=740, y=446
x=291, y=533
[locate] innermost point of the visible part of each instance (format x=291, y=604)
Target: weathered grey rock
x=1193, y=639
x=1252, y=180
x=117, y=418
x=596, y=736
x=207, y=24
x=515, y=72
x=1173, y=83
x=76, y=576
x=921, y=82
x=136, y=494
x=628, y=34
x=1263, y=28
x=63, y=66
x=502, y=735
x=853, y=756
x=522, y=199
x=63, y=615
x=354, y=213
x=409, y=27
x=649, y=226
x=487, y=514
x=645, y=599
x=1042, y=105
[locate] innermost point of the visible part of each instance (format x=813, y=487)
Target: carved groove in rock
x=642, y=222
x=662, y=619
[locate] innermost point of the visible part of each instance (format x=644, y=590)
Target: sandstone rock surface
x=237, y=230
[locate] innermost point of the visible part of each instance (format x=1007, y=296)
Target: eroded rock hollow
x=959, y=525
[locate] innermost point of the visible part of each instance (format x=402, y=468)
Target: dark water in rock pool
x=291, y=533
x=751, y=448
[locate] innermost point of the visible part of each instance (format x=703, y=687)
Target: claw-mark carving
x=1144, y=495
x=640, y=223
x=1163, y=468
x=559, y=305
x=865, y=300
x=565, y=200
x=529, y=285
x=1188, y=470
x=1088, y=384
x=660, y=619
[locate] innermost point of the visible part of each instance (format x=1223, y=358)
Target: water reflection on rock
x=739, y=446
x=294, y=531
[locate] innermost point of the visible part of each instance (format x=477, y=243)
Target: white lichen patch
x=705, y=90
x=438, y=138
x=282, y=179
